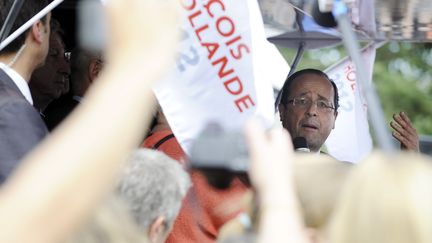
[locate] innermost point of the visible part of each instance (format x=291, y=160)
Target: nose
x=64, y=66
x=312, y=110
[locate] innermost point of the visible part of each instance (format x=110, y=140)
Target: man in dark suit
x=85, y=67
x=21, y=127
x=49, y=81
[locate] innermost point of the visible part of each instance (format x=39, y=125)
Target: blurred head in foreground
x=318, y=181
x=388, y=198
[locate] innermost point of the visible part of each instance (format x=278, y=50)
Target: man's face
x=312, y=121
x=50, y=79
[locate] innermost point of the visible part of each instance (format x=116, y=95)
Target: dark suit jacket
x=21, y=127
x=58, y=110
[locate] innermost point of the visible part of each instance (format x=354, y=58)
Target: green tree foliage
x=403, y=78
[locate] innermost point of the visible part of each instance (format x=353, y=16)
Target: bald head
x=85, y=67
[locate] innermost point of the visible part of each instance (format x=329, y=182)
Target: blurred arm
x=271, y=174
x=61, y=181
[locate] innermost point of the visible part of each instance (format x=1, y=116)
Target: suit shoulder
x=18, y=110
x=10, y=96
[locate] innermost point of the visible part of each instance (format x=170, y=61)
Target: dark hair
x=286, y=87
x=29, y=9
x=56, y=27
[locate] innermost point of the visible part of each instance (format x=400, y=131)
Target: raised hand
x=144, y=30
x=271, y=174
x=271, y=155
x=404, y=132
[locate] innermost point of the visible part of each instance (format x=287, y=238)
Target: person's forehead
x=56, y=41
x=312, y=83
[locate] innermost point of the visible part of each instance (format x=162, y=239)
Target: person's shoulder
x=16, y=109
x=8, y=92
x=7, y=85
x=58, y=110
x=10, y=98
x=62, y=103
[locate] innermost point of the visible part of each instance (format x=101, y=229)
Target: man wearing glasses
x=308, y=106
x=52, y=79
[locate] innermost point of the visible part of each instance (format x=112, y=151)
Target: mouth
x=65, y=79
x=59, y=85
x=62, y=80
x=309, y=127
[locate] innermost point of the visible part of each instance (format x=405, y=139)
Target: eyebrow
x=323, y=98
x=319, y=96
x=54, y=51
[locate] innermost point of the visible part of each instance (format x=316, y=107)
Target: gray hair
x=153, y=185
x=80, y=62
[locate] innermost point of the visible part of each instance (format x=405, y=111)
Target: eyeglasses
x=302, y=102
x=67, y=56
x=56, y=53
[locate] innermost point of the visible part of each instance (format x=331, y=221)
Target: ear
x=157, y=229
x=334, y=122
x=38, y=31
x=281, y=108
x=94, y=68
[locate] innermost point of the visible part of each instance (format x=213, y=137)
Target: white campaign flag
x=351, y=140
x=224, y=71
